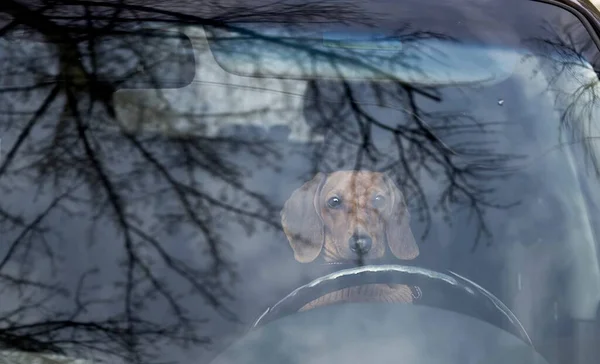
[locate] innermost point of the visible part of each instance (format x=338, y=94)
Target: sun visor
x=283, y=52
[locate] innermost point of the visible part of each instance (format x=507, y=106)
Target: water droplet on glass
x=500, y=102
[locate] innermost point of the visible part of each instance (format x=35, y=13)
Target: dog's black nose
x=360, y=244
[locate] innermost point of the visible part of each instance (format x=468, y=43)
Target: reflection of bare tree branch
x=117, y=172
x=113, y=334
x=419, y=145
x=27, y=129
x=77, y=152
x=568, y=54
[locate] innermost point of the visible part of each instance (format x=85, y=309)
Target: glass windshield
x=153, y=222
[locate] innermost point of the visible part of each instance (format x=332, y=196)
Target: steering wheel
x=455, y=321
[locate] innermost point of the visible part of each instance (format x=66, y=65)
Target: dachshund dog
x=347, y=216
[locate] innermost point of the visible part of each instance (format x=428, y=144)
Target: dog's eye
x=334, y=202
x=379, y=201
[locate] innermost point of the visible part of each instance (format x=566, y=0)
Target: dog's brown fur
x=312, y=227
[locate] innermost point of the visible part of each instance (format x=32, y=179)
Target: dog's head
x=348, y=215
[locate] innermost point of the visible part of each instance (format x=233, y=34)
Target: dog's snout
x=360, y=243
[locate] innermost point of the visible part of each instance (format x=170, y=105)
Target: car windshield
x=156, y=220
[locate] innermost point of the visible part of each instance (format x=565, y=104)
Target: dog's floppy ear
x=301, y=221
x=398, y=233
